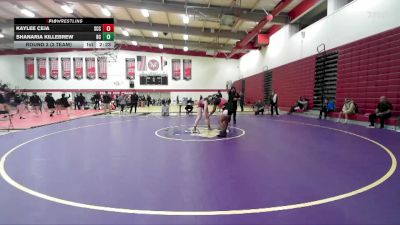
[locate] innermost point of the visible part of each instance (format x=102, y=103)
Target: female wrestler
x=224, y=120
x=202, y=107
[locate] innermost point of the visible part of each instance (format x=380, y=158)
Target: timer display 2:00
x=104, y=44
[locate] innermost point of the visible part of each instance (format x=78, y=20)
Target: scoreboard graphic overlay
x=64, y=33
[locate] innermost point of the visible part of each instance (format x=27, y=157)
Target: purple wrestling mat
x=153, y=170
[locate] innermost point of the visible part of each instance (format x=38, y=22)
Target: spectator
x=6, y=99
x=301, y=104
x=43, y=107
x=122, y=102
x=347, y=109
x=331, y=105
x=116, y=101
x=327, y=106
x=19, y=102
x=189, y=106
x=36, y=103
x=148, y=100
x=164, y=108
x=25, y=100
x=80, y=101
x=51, y=103
x=134, y=101
x=96, y=99
x=107, y=102
x=64, y=102
x=273, y=101
x=75, y=102
x=383, y=111
x=4, y=108
x=241, y=101
x=258, y=108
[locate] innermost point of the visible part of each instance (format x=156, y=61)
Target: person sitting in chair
x=258, y=108
x=189, y=106
x=383, y=111
x=327, y=107
x=348, y=109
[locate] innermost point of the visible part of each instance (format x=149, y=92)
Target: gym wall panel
x=367, y=69
x=254, y=88
x=238, y=85
x=370, y=68
x=294, y=80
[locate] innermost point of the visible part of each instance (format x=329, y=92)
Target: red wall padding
x=369, y=68
x=294, y=80
x=238, y=85
x=254, y=88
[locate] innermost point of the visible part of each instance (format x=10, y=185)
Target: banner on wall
x=41, y=65
x=90, y=68
x=53, y=65
x=130, y=68
x=141, y=63
x=78, y=68
x=66, y=68
x=164, y=63
x=187, y=69
x=176, y=69
x=102, y=67
x=29, y=68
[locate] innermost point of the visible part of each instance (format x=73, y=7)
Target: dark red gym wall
x=254, y=88
x=294, y=80
x=238, y=85
x=368, y=68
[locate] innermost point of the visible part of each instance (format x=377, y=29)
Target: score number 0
x=105, y=36
x=108, y=27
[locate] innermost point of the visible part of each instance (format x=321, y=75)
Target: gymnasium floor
x=152, y=170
